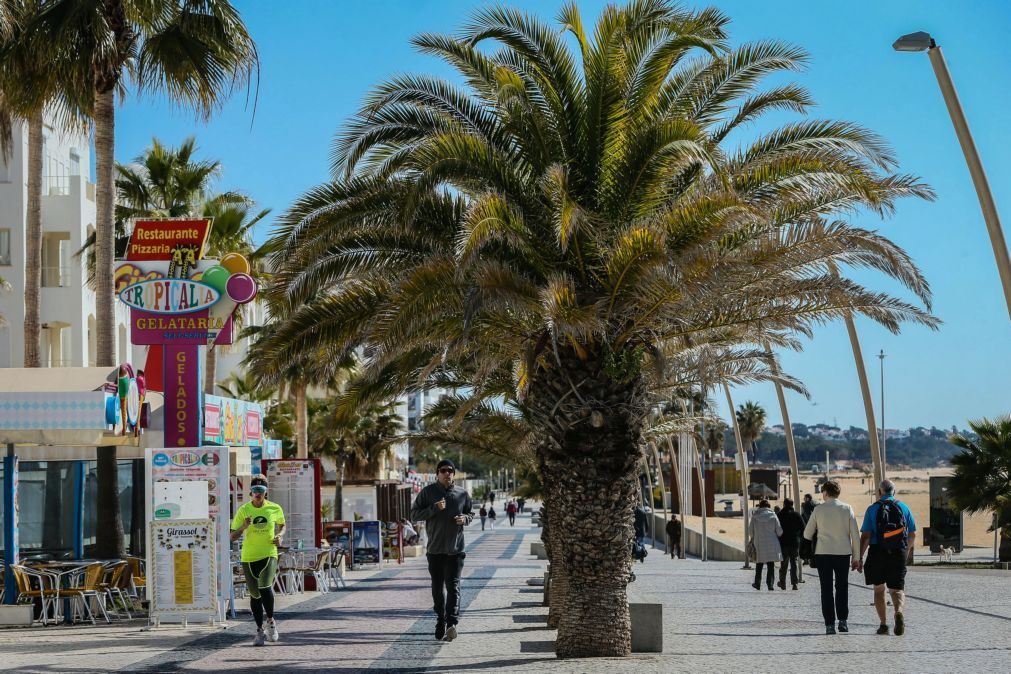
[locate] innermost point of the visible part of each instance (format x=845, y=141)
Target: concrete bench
x=16, y=615
x=647, y=624
x=537, y=548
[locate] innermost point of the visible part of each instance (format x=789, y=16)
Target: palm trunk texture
x=301, y=422
x=210, y=369
x=109, y=533
x=589, y=452
x=33, y=243
x=338, y=493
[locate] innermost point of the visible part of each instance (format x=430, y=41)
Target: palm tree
x=982, y=478
x=197, y=53
x=231, y=233
x=751, y=418
x=34, y=82
x=566, y=222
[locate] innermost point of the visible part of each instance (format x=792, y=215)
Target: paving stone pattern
x=714, y=621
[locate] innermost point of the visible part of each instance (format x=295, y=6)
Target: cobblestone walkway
x=713, y=622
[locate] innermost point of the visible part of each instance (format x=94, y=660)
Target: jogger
x=260, y=524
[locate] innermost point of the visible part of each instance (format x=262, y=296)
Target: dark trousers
x=791, y=559
x=445, y=571
x=675, y=548
x=512, y=519
x=834, y=570
x=770, y=567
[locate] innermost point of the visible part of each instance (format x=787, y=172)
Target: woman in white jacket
x=836, y=552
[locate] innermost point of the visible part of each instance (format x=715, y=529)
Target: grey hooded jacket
x=765, y=532
x=445, y=536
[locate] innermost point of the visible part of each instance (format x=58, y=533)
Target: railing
x=57, y=277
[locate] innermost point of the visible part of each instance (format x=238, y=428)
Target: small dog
x=945, y=554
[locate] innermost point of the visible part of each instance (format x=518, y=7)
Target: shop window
x=5, y=247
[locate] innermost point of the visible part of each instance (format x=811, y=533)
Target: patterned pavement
x=958, y=620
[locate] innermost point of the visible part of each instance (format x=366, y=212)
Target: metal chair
x=89, y=590
x=320, y=572
x=31, y=585
x=334, y=568
x=113, y=586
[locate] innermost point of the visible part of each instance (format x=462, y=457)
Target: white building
x=68, y=336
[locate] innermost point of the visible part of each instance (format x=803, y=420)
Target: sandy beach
x=913, y=488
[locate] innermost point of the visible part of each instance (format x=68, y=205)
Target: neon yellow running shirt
x=258, y=540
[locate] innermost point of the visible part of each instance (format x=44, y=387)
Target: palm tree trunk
x=33, y=242
x=865, y=392
x=589, y=449
x=791, y=448
x=338, y=492
x=105, y=228
x=210, y=369
x=301, y=422
x=554, y=547
x=108, y=536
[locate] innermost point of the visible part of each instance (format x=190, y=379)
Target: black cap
x=445, y=463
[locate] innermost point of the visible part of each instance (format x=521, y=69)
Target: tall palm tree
x=568, y=220
x=751, y=419
x=198, y=53
x=34, y=82
x=982, y=478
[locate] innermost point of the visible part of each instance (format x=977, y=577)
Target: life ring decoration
x=133, y=403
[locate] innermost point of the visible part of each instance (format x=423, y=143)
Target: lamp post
x=884, y=433
x=916, y=42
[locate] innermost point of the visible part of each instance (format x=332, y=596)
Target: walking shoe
x=795, y=586
x=260, y=638
x=782, y=584
x=843, y=627
x=756, y=586
x=900, y=624
x=829, y=629
x=771, y=589
x=272, y=634
x=450, y=633
x=440, y=630
x=883, y=629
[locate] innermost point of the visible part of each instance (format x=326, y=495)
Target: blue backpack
x=891, y=525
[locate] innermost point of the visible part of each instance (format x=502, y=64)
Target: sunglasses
x=446, y=470
x=258, y=489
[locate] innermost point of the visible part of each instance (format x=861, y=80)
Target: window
x=5, y=247
x=75, y=163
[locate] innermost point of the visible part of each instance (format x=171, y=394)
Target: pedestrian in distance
x=260, y=525
x=446, y=510
x=765, y=533
x=511, y=509
x=522, y=504
x=806, y=546
x=673, y=530
x=836, y=553
x=792, y=524
x=807, y=507
x=491, y=517
x=483, y=513
x=888, y=536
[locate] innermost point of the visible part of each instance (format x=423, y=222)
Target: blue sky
x=319, y=58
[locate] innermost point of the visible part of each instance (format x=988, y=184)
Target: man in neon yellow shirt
x=262, y=522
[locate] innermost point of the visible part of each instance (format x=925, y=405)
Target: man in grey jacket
x=446, y=509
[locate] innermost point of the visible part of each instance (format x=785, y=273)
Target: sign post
x=10, y=523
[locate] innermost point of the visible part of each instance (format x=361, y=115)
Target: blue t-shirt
x=870, y=524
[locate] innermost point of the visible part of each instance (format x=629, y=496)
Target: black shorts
x=885, y=567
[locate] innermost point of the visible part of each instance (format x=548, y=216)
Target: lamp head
x=919, y=41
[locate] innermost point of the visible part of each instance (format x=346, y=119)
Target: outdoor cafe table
x=62, y=572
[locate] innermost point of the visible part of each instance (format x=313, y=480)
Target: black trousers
x=445, y=571
x=770, y=568
x=833, y=570
x=791, y=559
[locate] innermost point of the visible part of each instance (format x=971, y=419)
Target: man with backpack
x=889, y=531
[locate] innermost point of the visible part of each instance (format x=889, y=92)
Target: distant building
x=67, y=305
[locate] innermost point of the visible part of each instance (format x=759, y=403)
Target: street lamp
x=884, y=433
x=916, y=42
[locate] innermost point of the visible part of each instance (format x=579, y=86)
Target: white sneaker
x=260, y=637
x=272, y=634
x=450, y=633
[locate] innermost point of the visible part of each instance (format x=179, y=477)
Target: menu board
x=294, y=485
x=182, y=580
x=194, y=464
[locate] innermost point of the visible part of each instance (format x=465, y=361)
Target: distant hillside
x=923, y=448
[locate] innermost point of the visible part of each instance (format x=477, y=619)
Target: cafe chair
x=334, y=568
x=32, y=586
x=88, y=593
x=319, y=571
x=137, y=576
x=113, y=587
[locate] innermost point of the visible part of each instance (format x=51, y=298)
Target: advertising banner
x=182, y=579
x=338, y=535
x=271, y=449
x=206, y=464
x=366, y=542
x=159, y=239
x=237, y=423
x=294, y=485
